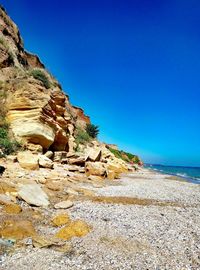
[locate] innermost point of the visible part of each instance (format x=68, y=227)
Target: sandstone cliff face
x=82, y=119
x=38, y=113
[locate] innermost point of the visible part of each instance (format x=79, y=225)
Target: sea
x=191, y=174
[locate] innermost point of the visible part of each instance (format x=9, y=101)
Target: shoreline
x=184, y=178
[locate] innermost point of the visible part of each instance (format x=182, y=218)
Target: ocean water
x=191, y=174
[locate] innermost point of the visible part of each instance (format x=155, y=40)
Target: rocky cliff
x=40, y=115
x=36, y=107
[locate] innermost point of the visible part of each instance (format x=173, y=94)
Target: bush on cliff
x=92, y=130
x=128, y=157
x=7, y=146
x=82, y=137
x=38, y=74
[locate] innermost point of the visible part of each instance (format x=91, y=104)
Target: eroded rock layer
x=37, y=109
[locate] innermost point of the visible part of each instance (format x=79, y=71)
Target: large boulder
x=117, y=166
x=79, y=161
x=95, y=168
x=33, y=195
x=45, y=162
x=93, y=154
x=28, y=161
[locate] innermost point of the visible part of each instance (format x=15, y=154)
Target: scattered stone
x=72, y=154
x=49, y=154
x=61, y=219
x=59, y=156
x=33, y=195
x=58, y=245
x=27, y=160
x=6, y=246
x=41, y=242
x=6, y=188
x=6, y=242
x=53, y=186
x=76, y=228
x=81, y=170
x=64, y=205
x=42, y=180
x=5, y=199
x=80, y=161
x=72, y=168
x=71, y=191
x=12, y=208
x=45, y=162
x=17, y=229
x=34, y=148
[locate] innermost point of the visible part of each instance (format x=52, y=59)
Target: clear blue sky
x=133, y=65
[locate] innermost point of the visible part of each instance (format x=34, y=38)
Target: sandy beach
x=145, y=220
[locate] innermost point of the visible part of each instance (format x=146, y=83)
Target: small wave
x=182, y=174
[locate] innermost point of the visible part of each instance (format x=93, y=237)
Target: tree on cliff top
x=92, y=130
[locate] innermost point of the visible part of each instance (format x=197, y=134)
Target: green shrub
x=82, y=137
x=7, y=146
x=128, y=157
x=3, y=133
x=92, y=130
x=117, y=153
x=41, y=76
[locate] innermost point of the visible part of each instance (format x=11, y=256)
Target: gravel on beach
x=128, y=236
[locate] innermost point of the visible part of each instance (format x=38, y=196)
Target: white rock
x=64, y=205
x=33, y=194
x=5, y=199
